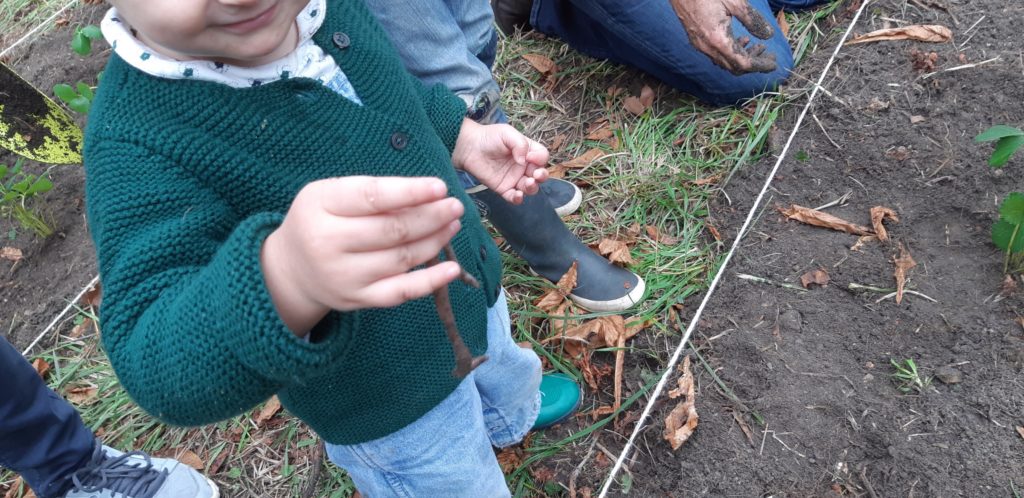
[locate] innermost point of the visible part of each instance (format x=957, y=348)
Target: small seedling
x=1007, y=234
x=1008, y=140
x=18, y=194
x=78, y=98
x=908, y=378
x=81, y=41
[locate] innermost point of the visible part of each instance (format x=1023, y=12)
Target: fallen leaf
x=509, y=459
x=878, y=215
x=903, y=265
x=81, y=395
x=923, y=61
x=557, y=142
x=900, y=153
x=270, y=408
x=542, y=473
x=682, y=421
x=743, y=427
x=818, y=218
x=637, y=105
x=94, y=296
x=783, y=24
x=714, y=231
x=553, y=299
x=614, y=91
x=80, y=329
x=218, y=462
x=600, y=130
x=17, y=486
x=864, y=239
x=594, y=334
x=659, y=237
x=41, y=366
x=814, y=277
x=188, y=457
x=1009, y=288
x=563, y=318
x=578, y=162
x=11, y=254
x=543, y=64
x=620, y=360
x=616, y=251
x=877, y=104
x=916, y=119
x=707, y=180
x=1020, y=430
x=933, y=33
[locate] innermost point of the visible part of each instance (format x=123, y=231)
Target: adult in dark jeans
x=720, y=51
x=43, y=439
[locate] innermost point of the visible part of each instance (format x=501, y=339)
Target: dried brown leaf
x=682, y=421
x=41, y=366
x=616, y=251
x=713, y=231
x=1020, y=430
x=709, y=180
x=878, y=215
x=743, y=427
x=16, y=486
x=818, y=218
x=633, y=105
x=510, y=459
x=600, y=130
x=814, y=277
x=270, y=408
x=864, y=239
x=80, y=329
x=11, y=254
x=557, y=142
x=647, y=96
x=659, y=237
x=932, y=33
x=783, y=24
x=85, y=395
x=553, y=299
x=903, y=265
x=1009, y=286
x=916, y=119
x=188, y=457
x=94, y=296
x=583, y=160
x=543, y=64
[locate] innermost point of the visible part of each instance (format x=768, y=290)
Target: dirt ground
x=36, y=288
x=816, y=365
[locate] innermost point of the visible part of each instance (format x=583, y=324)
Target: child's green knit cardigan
x=185, y=179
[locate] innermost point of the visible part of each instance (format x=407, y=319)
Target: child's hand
x=350, y=243
x=501, y=158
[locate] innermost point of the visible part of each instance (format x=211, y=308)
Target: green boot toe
x=560, y=398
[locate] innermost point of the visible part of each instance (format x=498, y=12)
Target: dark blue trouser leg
x=646, y=34
x=41, y=436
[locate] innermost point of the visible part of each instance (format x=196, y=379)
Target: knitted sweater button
x=341, y=40
x=399, y=140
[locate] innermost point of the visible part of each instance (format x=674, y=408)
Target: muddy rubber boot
x=535, y=232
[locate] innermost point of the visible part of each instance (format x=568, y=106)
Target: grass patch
x=18, y=17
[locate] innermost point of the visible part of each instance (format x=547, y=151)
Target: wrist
x=297, y=310
x=465, y=142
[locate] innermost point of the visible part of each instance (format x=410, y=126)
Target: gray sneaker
x=113, y=474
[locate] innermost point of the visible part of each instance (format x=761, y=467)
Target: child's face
x=242, y=32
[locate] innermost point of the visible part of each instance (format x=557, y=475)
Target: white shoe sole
x=562, y=211
x=621, y=304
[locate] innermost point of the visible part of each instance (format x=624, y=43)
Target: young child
x=243, y=254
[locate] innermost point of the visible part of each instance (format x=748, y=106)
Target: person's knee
x=732, y=90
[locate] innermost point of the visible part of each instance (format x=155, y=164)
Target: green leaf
x=1012, y=209
x=998, y=131
x=85, y=90
x=3, y=171
x=1007, y=237
x=80, y=43
x=65, y=92
x=99, y=77
x=80, y=104
x=92, y=32
x=43, y=184
x=22, y=186
x=1005, y=148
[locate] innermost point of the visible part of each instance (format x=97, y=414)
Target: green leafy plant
x=907, y=377
x=81, y=41
x=78, y=98
x=1007, y=233
x=19, y=191
x=1008, y=139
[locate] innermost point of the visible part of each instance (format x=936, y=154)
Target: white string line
x=725, y=263
x=37, y=28
x=61, y=314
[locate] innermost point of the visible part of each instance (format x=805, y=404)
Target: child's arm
x=188, y=322
x=502, y=158
x=350, y=243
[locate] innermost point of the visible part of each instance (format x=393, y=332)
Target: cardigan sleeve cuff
x=446, y=112
x=264, y=343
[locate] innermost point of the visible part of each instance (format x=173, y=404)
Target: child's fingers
x=538, y=154
x=368, y=195
x=395, y=290
x=388, y=230
x=517, y=144
x=376, y=265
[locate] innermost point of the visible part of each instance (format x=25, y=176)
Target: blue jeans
x=448, y=451
x=41, y=435
x=646, y=34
